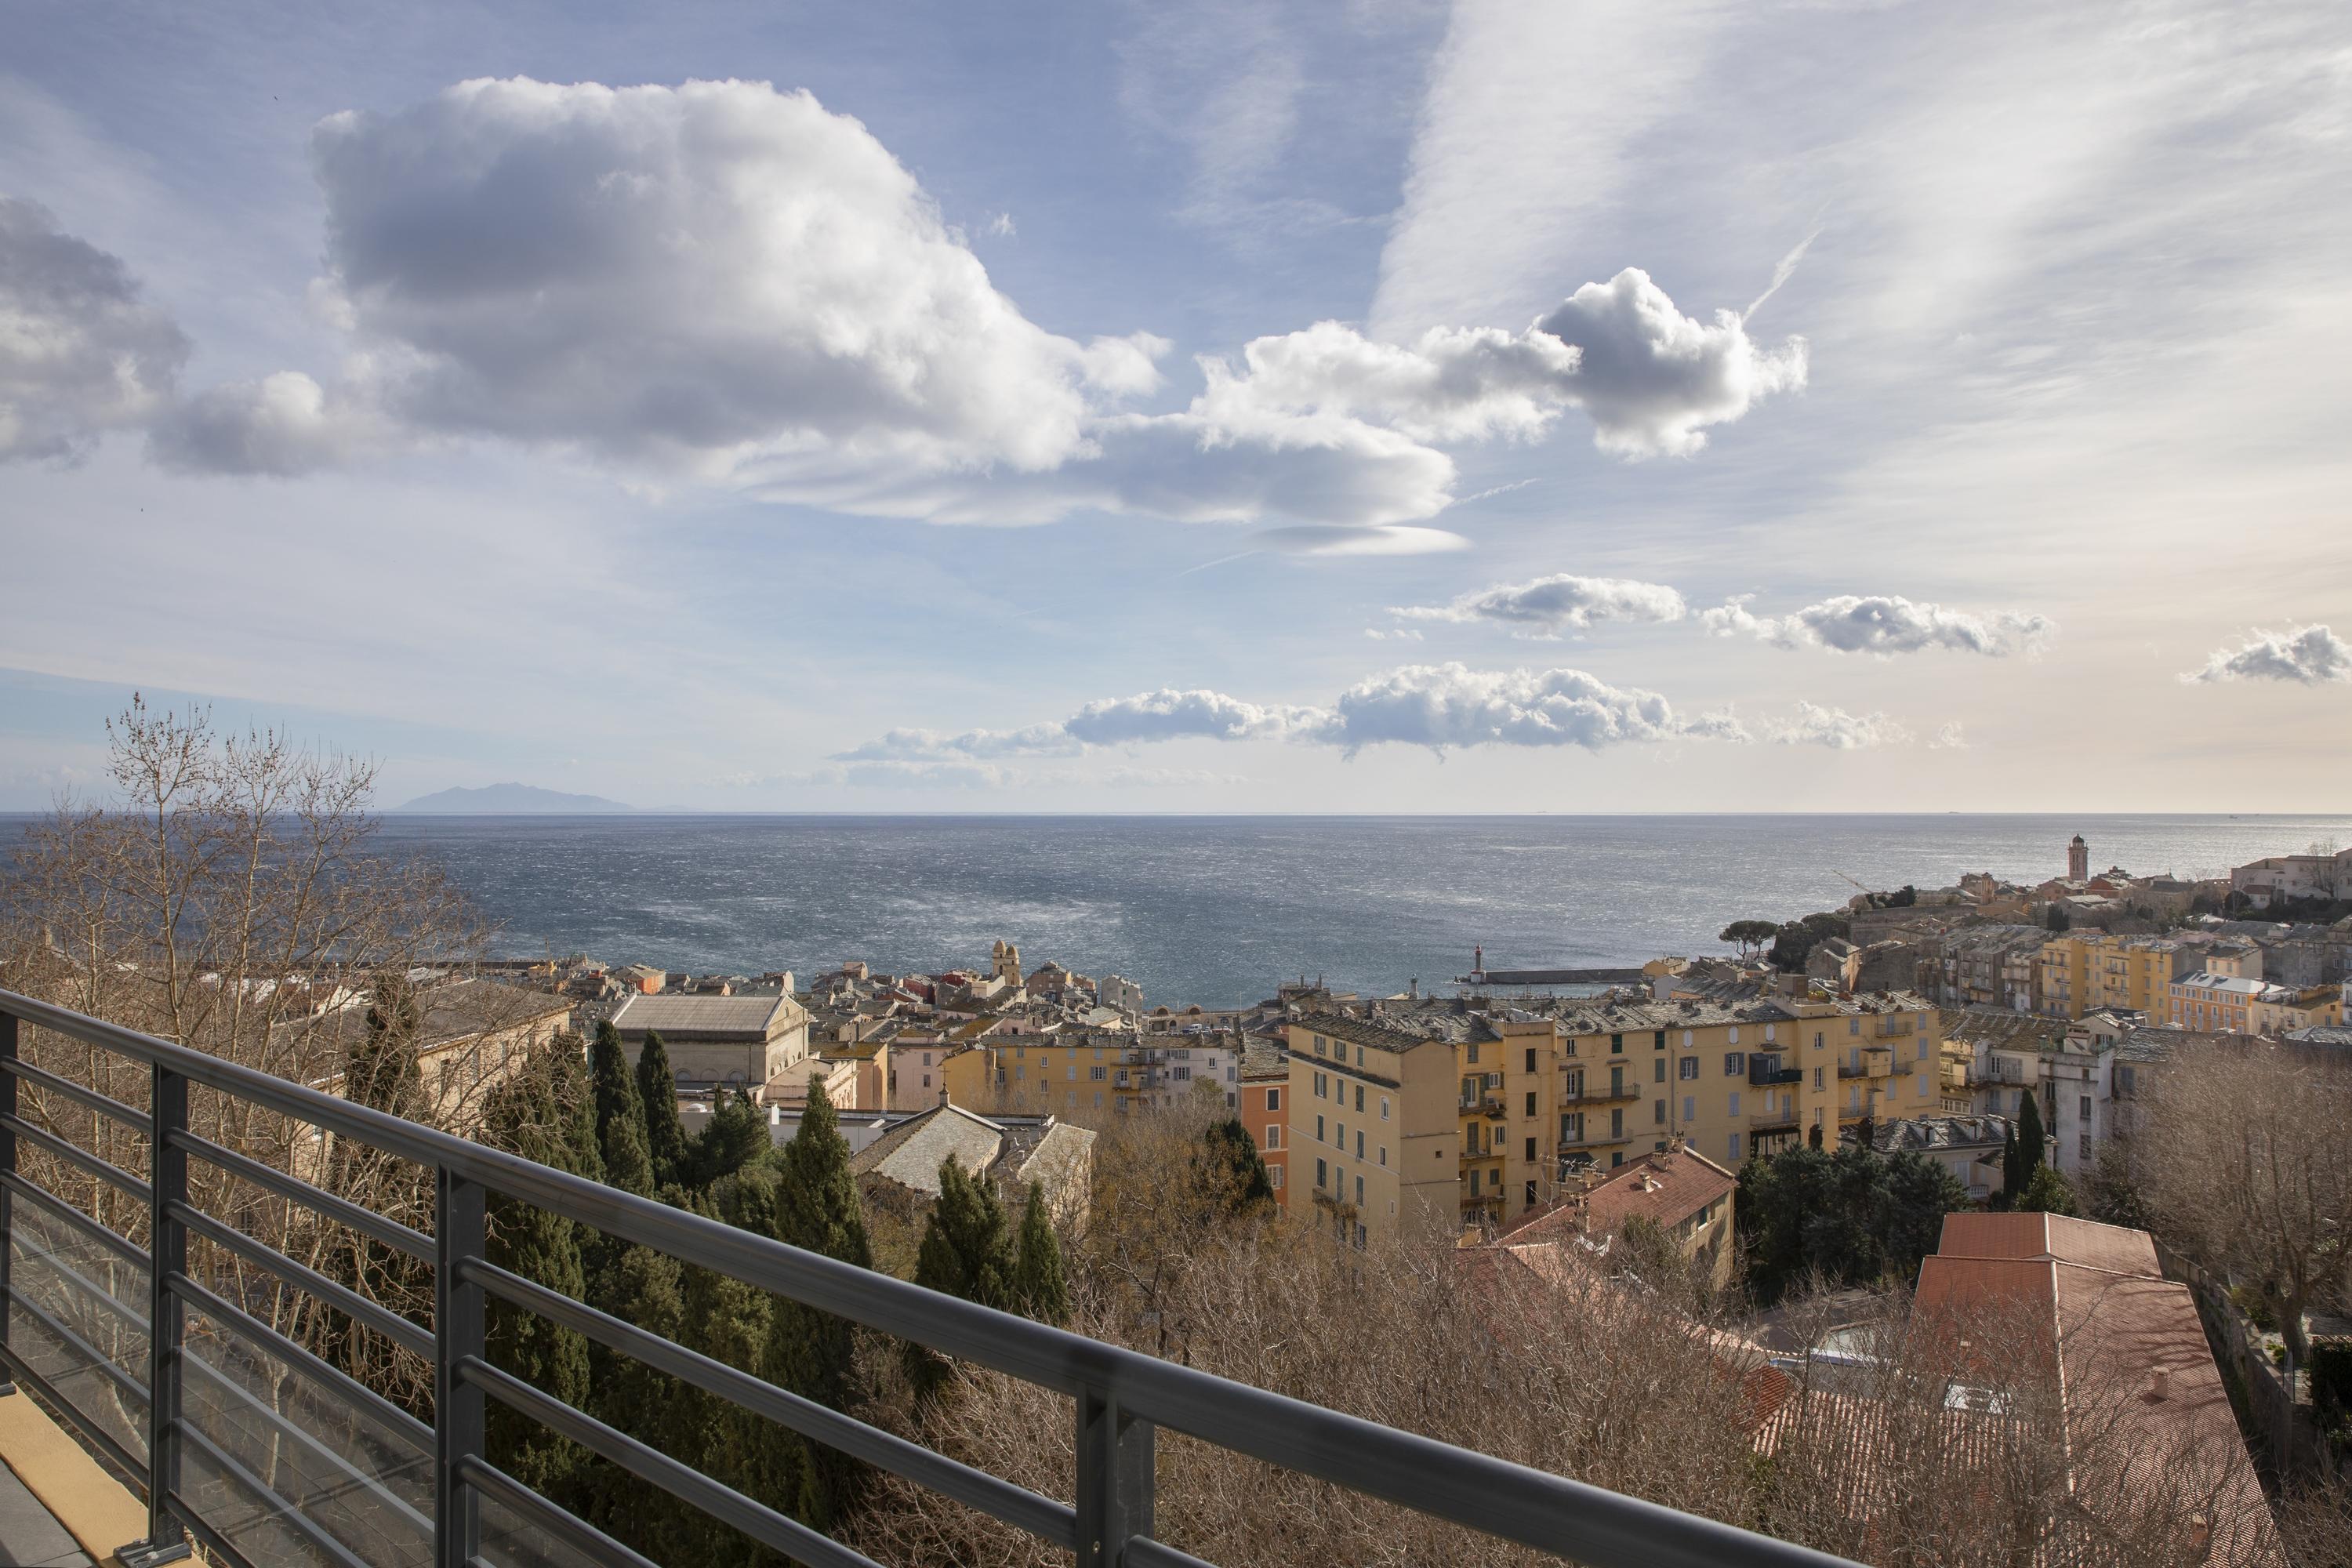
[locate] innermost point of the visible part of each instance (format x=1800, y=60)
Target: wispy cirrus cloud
x=1549, y=606
x=1884, y=624
x=2309, y=656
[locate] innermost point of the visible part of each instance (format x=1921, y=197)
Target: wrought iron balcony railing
x=374, y=1485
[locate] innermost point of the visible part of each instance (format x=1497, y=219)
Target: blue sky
x=381, y=376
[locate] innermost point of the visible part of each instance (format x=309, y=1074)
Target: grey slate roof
x=728, y=1018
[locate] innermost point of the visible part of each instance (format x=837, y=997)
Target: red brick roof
x=2051, y=1238
x=1665, y=1188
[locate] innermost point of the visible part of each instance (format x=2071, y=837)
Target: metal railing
x=1120, y=1398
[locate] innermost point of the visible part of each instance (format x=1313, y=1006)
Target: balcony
x=251, y=1448
x=1766, y=1070
x=1767, y=1118
x=1493, y=1108
x=1604, y=1095
x=1878, y=1061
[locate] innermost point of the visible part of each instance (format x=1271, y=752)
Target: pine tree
x=2047, y=1192
x=658, y=1092
x=964, y=1252
x=1038, y=1285
x=525, y=1116
x=620, y=1113
x=810, y=1352
x=2030, y=1142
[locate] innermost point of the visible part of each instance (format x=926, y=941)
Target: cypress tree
x=620, y=1113
x=810, y=1352
x=964, y=1252
x=2007, y=1196
x=2031, y=1142
x=658, y=1092
x=523, y=1115
x=646, y=1288
x=735, y=1137
x=727, y=1320
x=382, y=1072
x=1232, y=1173
x=575, y=1106
x=1038, y=1284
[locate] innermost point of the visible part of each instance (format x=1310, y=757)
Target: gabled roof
x=728, y=1019
x=1666, y=1187
x=2049, y=1238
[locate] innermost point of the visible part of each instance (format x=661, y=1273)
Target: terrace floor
x=57, y=1507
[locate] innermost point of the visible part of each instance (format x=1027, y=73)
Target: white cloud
x=2312, y=656
x=1884, y=625
x=1397, y=633
x=1547, y=606
x=1441, y=707
x=1333, y=539
x=1650, y=376
x=81, y=352
x=1167, y=778
x=285, y=424
x=1950, y=736
x=1002, y=226
x=1837, y=729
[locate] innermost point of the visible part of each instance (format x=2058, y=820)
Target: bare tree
x=2244, y=1159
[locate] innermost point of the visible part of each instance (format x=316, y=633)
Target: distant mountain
x=513, y=800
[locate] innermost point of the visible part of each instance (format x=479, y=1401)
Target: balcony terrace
x=214, y=1418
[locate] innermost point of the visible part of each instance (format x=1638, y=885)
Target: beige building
x=741, y=1041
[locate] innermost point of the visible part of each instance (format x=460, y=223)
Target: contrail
x=1220, y=561
x=1783, y=272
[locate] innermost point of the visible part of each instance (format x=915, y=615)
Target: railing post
x=7, y=1163
x=459, y=1236
x=1115, y=1480
x=167, y=1254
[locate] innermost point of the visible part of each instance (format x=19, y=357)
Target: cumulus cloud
x=1441, y=707
x=1950, y=736
x=1547, y=607
x=735, y=285
x=81, y=352
x=1884, y=625
x=2311, y=656
x=1837, y=729
x=1649, y=377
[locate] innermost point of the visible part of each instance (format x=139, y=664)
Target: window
x=1617, y=1122
x=1318, y=1051
x=1531, y=1195
x=1531, y=1103
x=1731, y=1035
x=1095, y=1073
x=1768, y=1032
x=1073, y=1071
x=1658, y=1070
x=1384, y=1108
x=1273, y=1175
x=1473, y=1058
x=1531, y=1148
x=1658, y=1112
x=1342, y=1141
x=1532, y=1058
x=2086, y=1108
x=1734, y=1109
x=1732, y=1153
x=1273, y=1134
x=1384, y=1153
x=1689, y=1068
x=1360, y=1097
x=1274, y=1099
x=1360, y=1142
x=1817, y=1077
x=1099, y=1098
x=1618, y=1157
x=1571, y=1127
x=1853, y=1026
x=1318, y=1130
x=1616, y=1042
x=1817, y=1039
x=1360, y=1238
x=1658, y=1040
x=1690, y=1108
x=1322, y=1173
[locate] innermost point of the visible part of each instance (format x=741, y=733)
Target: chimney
x=2160, y=1386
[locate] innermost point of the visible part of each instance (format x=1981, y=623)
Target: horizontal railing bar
x=304, y=1278
x=105, y=1105
x=275, y=1343
x=280, y=1509
x=520, y=1498
x=24, y=1188
x=99, y=1362
x=1142, y=1552
x=103, y=1440
x=364, y=1482
x=73, y=1155
x=1017, y=1505
x=722, y=1502
x=212, y=1540
x=1495, y=1497
x=73, y=1277
x=320, y=1201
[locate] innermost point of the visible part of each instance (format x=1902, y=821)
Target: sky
x=1375, y=407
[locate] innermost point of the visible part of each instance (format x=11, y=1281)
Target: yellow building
x=1373, y=1130
x=1539, y=1095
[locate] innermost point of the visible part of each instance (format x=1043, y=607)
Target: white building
x=2294, y=876
x=1119, y=992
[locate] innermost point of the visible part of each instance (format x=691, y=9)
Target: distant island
x=511, y=800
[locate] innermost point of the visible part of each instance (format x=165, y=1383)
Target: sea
x=1220, y=909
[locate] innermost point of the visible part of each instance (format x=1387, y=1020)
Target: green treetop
x=620, y=1115
x=1039, y=1287
x=658, y=1092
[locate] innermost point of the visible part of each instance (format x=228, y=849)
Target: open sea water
x=1219, y=910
